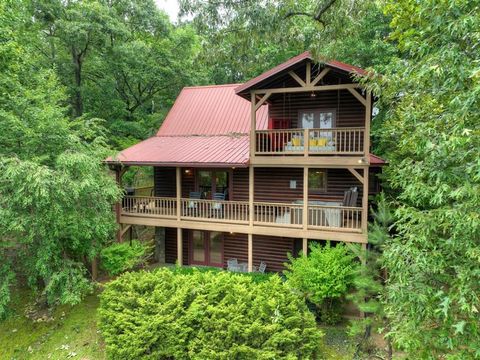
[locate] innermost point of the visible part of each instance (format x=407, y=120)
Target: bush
x=205, y=315
x=323, y=277
x=120, y=257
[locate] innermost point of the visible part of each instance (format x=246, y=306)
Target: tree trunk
x=77, y=68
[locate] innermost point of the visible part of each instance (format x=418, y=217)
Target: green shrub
x=323, y=277
x=205, y=315
x=120, y=257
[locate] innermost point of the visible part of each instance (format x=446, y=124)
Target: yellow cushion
x=312, y=142
x=322, y=142
x=296, y=141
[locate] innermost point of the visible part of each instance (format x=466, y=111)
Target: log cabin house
x=256, y=170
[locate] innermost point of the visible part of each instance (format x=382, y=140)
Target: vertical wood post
x=305, y=199
x=365, y=201
x=308, y=77
x=306, y=142
x=179, y=246
x=305, y=246
x=368, y=119
x=178, y=188
x=253, y=125
x=179, y=208
x=251, y=209
x=118, y=204
x=364, y=259
x=250, y=252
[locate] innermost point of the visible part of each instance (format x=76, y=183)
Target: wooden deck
x=280, y=219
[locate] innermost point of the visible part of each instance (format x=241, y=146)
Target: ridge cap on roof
x=211, y=86
x=231, y=134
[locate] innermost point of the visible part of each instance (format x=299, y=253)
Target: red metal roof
x=211, y=110
x=376, y=160
x=293, y=61
x=217, y=150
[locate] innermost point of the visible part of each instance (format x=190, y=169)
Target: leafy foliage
x=245, y=38
x=55, y=195
x=323, y=276
x=431, y=137
x=120, y=257
x=205, y=315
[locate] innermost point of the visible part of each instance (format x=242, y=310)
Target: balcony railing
x=215, y=210
x=290, y=215
x=337, y=141
x=277, y=214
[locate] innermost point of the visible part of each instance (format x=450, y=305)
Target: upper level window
x=317, y=119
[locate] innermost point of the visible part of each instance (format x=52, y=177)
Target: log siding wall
x=349, y=111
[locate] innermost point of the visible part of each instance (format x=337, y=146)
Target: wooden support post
x=251, y=209
x=305, y=198
x=368, y=118
x=253, y=122
x=250, y=252
x=179, y=192
x=118, y=204
x=305, y=246
x=179, y=246
x=365, y=201
x=366, y=146
x=308, y=75
x=306, y=141
x=364, y=258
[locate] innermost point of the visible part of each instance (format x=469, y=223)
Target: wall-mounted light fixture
x=188, y=171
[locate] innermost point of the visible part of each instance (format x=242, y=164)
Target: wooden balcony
x=286, y=219
x=337, y=141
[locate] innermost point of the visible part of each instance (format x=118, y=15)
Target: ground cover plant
x=205, y=315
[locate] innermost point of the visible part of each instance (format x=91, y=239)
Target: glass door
x=199, y=248
x=206, y=248
x=213, y=181
x=215, y=249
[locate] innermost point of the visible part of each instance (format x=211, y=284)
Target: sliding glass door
x=206, y=248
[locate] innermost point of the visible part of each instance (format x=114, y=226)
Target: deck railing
x=150, y=205
x=215, y=210
x=277, y=214
x=338, y=217
x=320, y=217
x=337, y=141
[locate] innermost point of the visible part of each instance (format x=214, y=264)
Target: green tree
x=431, y=137
x=245, y=38
x=55, y=194
x=120, y=60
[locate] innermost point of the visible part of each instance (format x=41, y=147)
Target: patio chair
x=349, y=200
x=216, y=210
x=232, y=265
x=192, y=205
x=261, y=267
x=350, y=197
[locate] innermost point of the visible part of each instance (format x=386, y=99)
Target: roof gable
x=293, y=63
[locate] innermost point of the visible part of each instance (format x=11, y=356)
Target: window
x=317, y=119
x=317, y=180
